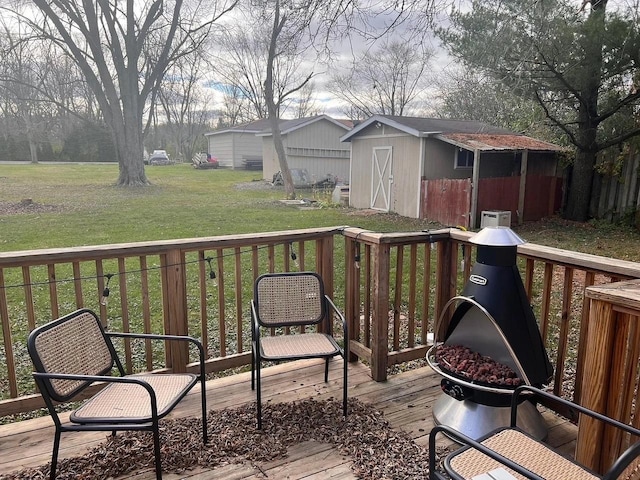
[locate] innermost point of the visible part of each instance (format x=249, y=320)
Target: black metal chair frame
x=46, y=382
x=632, y=452
x=323, y=321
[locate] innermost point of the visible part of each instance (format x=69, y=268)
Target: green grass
x=181, y=203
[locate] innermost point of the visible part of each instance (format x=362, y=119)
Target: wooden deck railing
x=392, y=287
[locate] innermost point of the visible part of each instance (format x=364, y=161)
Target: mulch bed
x=376, y=450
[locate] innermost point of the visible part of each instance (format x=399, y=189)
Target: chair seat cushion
x=130, y=403
x=298, y=346
x=521, y=449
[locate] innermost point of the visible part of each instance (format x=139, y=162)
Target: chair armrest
x=105, y=379
x=622, y=462
x=335, y=309
x=464, y=440
x=572, y=405
x=255, y=327
x=153, y=336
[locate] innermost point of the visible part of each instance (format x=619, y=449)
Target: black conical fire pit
x=491, y=345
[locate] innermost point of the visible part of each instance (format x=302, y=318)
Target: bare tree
x=304, y=104
x=123, y=49
x=387, y=80
x=23, y=74
x=185, y=105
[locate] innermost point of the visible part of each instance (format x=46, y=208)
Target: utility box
x=495, y=218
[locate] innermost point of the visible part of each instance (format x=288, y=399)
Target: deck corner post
x=380, y=312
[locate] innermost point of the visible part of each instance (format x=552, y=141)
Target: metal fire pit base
x=475, y=420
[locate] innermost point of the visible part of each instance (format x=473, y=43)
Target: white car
x=159, y=157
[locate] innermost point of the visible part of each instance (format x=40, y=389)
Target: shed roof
x=251, y=127
x=287, y=126
x=465, y=133
x=488, y=142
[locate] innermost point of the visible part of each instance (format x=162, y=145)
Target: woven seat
x=74, y=352
x=285, y=300
x=522, y=456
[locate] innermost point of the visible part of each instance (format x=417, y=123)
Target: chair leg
x=344, y=387
x=326, y=370
x=54, y=455
x=205, y=435
x=156, y=450
x=258, y=397
x=253, y=366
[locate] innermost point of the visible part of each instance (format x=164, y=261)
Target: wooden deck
x=406, y=400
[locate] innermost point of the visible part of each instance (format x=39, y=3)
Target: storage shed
x=233, y=145
x=427, y=168
x=311, y=143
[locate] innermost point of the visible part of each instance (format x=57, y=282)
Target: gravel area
x=376, y=450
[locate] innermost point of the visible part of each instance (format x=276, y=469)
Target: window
x=464, y=158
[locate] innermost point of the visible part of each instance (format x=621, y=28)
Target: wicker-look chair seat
x=523, y=450
x=108, y=406
x=311, y=345
x=282, y=303
x=522, y=456
x=73, y=352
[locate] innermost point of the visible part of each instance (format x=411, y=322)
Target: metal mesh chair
x=283, y=300
x=523, y=456
x=71, y=353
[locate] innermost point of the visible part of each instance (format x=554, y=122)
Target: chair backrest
x=74, y=344
x=285, y=299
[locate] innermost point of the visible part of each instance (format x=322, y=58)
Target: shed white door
x=381, y=178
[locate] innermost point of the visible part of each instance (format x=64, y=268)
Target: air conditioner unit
x=495, y=218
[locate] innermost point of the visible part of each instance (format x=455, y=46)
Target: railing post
x=446, y=282
x=352, y=291
x=174, y=292
x=380, y=314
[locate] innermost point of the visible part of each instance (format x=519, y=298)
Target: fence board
x=447, y=201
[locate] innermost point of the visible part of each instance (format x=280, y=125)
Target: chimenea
x=491, y=344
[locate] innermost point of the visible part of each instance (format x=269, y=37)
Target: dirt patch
x=26, y=206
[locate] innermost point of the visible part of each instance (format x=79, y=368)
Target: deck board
x=406, y=400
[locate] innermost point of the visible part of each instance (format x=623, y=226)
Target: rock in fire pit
x=471, y=366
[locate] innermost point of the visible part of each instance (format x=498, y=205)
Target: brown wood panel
x=542, y=197
x=447, y=201
x=500, y=193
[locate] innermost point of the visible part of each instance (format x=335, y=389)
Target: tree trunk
x=33, y=150
x=273, y=109
x=129, y=148
x=580, y=188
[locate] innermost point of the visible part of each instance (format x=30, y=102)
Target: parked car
x=159, y=157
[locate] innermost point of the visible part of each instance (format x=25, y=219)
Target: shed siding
x=245, y=144
x=221, y=146
x=405, y=188
x=318, y=136
x=229, y=147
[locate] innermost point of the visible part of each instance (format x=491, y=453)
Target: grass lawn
x=79, y=205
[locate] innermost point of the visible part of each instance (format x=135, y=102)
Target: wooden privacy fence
x=392, y=287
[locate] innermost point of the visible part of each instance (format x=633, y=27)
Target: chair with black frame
x=509, y=452
x=284, y=300
x=73, y=352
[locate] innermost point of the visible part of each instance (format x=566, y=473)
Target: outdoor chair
x=285, y=300
x=73, y=352
x=509, y=452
